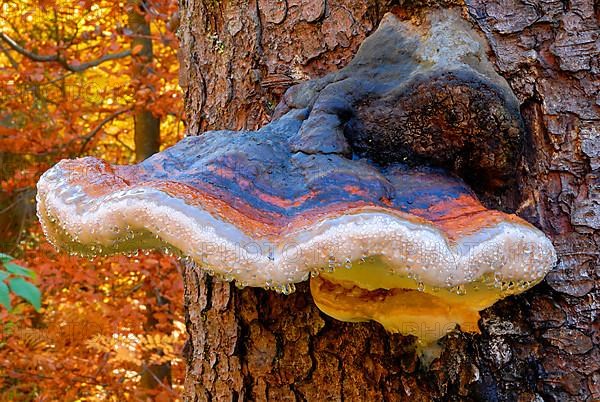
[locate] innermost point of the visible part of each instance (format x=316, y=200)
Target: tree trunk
x=237, y=58
x=147, y=143
x=146, y=125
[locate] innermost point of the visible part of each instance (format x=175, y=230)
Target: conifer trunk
x=237, y=58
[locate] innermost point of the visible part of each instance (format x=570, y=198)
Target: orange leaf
x=136, y=49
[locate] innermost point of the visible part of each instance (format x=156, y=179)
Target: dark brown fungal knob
x=322, y=190
x=421, y=94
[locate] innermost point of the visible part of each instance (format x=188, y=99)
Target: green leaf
x=19, y=270
x=3, y=275
x=27, y=291
x=5, y=257
x=4, y=299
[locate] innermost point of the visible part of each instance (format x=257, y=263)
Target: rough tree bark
x=238, y=57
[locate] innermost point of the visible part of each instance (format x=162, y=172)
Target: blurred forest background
x=85, y=78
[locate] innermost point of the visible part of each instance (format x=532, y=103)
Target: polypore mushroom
x=410, y=247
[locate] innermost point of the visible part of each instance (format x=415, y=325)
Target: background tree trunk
x=147, y=143
x=146, y=125
x=237, y=58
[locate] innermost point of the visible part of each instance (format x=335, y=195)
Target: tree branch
x=57, y=59
x=33, y=56
x=12, y=61
x=88, y=137
x=158, y=380
x=94, y=63
x=84, y=138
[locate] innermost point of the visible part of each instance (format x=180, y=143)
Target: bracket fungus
x=332, y=189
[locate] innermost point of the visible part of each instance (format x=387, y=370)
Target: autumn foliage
x=72, y=83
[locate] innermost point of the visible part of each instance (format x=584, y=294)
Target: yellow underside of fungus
x=370, y=291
